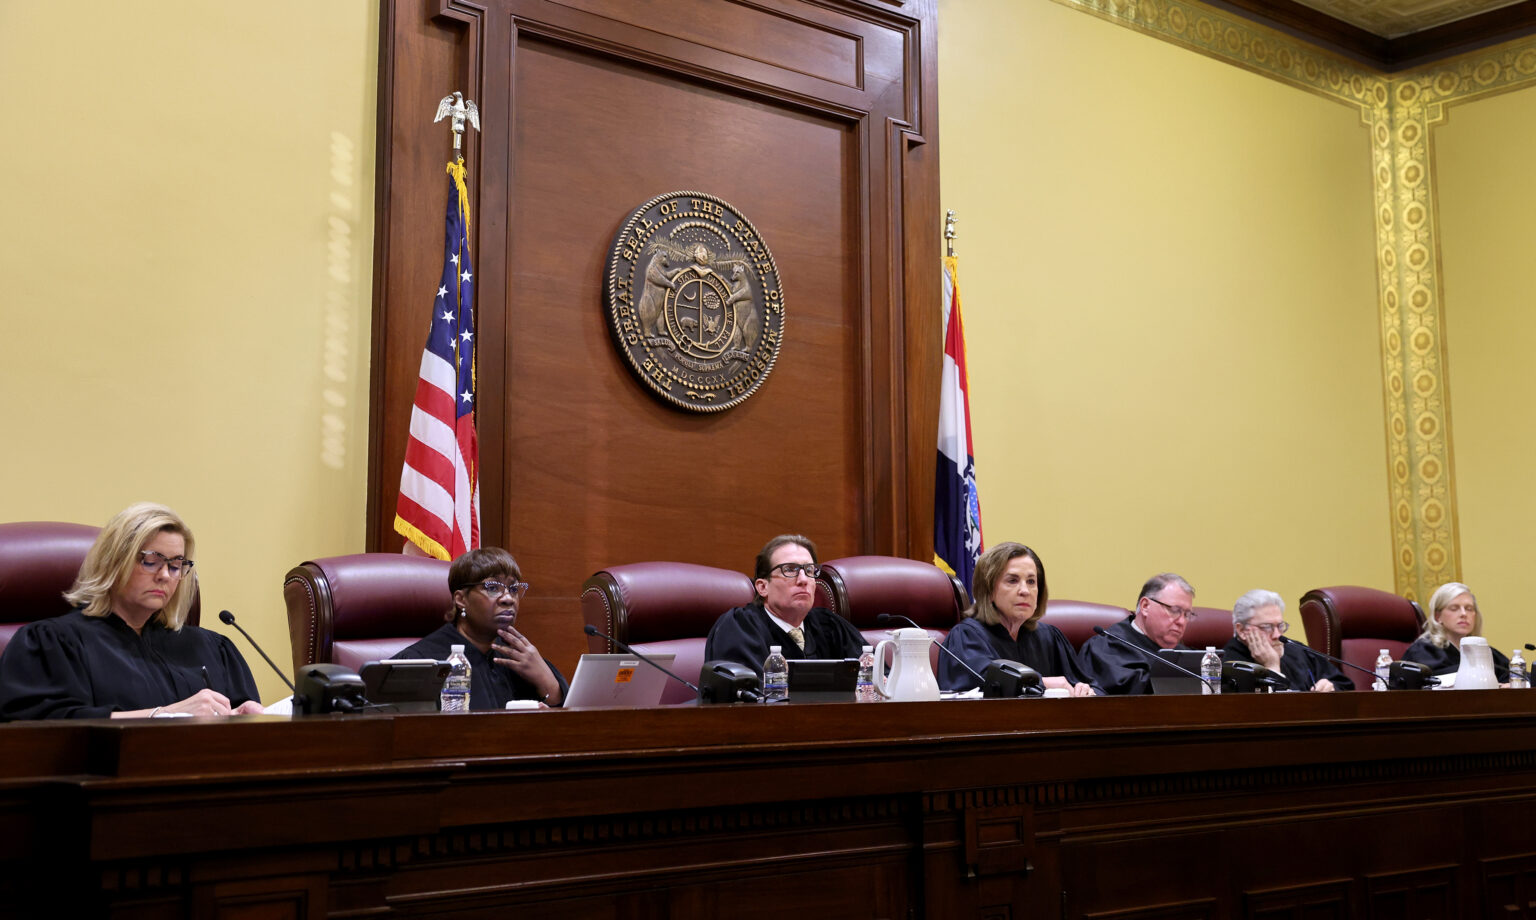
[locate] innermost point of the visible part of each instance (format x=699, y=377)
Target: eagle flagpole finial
x=461, y=109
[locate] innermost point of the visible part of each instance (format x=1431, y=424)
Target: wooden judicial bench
x=1401, y=805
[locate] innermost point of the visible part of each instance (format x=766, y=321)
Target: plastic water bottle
x=866, y=692
x=775, y=676
x=1518, y=678
x=1210, y=671
x=1383, y=670
x=455, y=696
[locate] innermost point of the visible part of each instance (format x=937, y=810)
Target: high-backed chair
x=38, y=563
x=1211, y=626
x=860, y=588
x=1076, y=619
x=350, y=609
x=1355, y=624
x=660, y=607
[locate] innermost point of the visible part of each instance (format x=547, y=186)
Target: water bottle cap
x=775, y=649
x=871, y=648
x=1210, y=648
x=455, y=649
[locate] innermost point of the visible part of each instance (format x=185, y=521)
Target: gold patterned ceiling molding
x=1394, y=18
x=1401, y=112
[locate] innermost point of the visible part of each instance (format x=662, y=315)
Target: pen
x=206, y=683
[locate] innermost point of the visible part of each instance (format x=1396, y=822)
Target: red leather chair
x=1355, y=624
x=38, y=563
x=350, y=609
x=1211, y=626
x=860, y=588
x=1076, y=619
x=661, y=607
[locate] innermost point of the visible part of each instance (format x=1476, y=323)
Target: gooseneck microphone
x=885, y=618
x=591, y=630
x=228, y=619
x=1101, y=631
x=1347, y=664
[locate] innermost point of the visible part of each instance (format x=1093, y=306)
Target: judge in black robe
x=491, y=686
x=1004, y=622
x=1453, y=615
x=126, y=651
x=1043, y=648
x=785, y=583
x=1258, y=622
x=1162, y=612
x=79, y=667
x=504, y=665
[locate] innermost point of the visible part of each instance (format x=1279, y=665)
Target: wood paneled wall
x=815, y=118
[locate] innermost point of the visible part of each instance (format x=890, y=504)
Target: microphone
x=591, y=630
x=1028, y=688
x=1101, y=631
x=228, y=619
x=1347, y=664
x=1529, y=647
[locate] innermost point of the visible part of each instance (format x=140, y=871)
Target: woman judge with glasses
x=784, y=613
x=487, y=588
x=1258, y=622
x=126, y=650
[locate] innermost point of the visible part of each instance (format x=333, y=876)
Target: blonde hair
x=113, y=557
x=1440, y=600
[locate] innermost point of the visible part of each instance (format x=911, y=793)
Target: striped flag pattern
x=439, y=507
x=957, y=539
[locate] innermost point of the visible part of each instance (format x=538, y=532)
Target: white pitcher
x=1476, y=670
x=911, y=675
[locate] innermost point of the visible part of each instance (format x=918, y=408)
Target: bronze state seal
x=694, y=302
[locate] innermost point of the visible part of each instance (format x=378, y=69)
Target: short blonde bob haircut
x=115, y=554
x=989, y=568
x=1440, y=600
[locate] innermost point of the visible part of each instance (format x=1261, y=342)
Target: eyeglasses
x=154, y=562
x=1178, y=613
x=495, y=589
x=791, y=569
x=1278, y=629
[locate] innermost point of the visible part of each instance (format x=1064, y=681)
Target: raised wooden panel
x=1429, y=893
x=1322, y=901
x=814, y=119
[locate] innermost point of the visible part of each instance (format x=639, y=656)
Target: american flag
x=439, y=508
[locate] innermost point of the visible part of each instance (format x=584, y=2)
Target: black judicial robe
x=81, y=667
x=1301, y=665
x=1447, y=660
x=1116, y=669
x=491, y=686
x=743, y=635
x=1043, y=648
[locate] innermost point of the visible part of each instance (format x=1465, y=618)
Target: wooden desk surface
x=1342, y=805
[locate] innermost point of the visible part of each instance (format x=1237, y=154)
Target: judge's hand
x=1323, y=686
x=1262, y=647
x=202, y=703
x=249, y=708
x=518, y=655
x=1061, y=683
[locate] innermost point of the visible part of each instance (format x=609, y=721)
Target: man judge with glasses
x=504, y=665
x=1163, y=610
x=783, y=613
x=1258, y=622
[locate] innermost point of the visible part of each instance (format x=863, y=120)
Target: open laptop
x=617, y=682
x=1170, y=681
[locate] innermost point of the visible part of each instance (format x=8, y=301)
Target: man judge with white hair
x=1258, y=622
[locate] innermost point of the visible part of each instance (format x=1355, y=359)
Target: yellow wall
x=1167, y=269
x=1487, y=195
x=185, y=267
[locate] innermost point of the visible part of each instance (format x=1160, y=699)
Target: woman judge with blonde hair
x=126, y=649
x=1453, y=616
